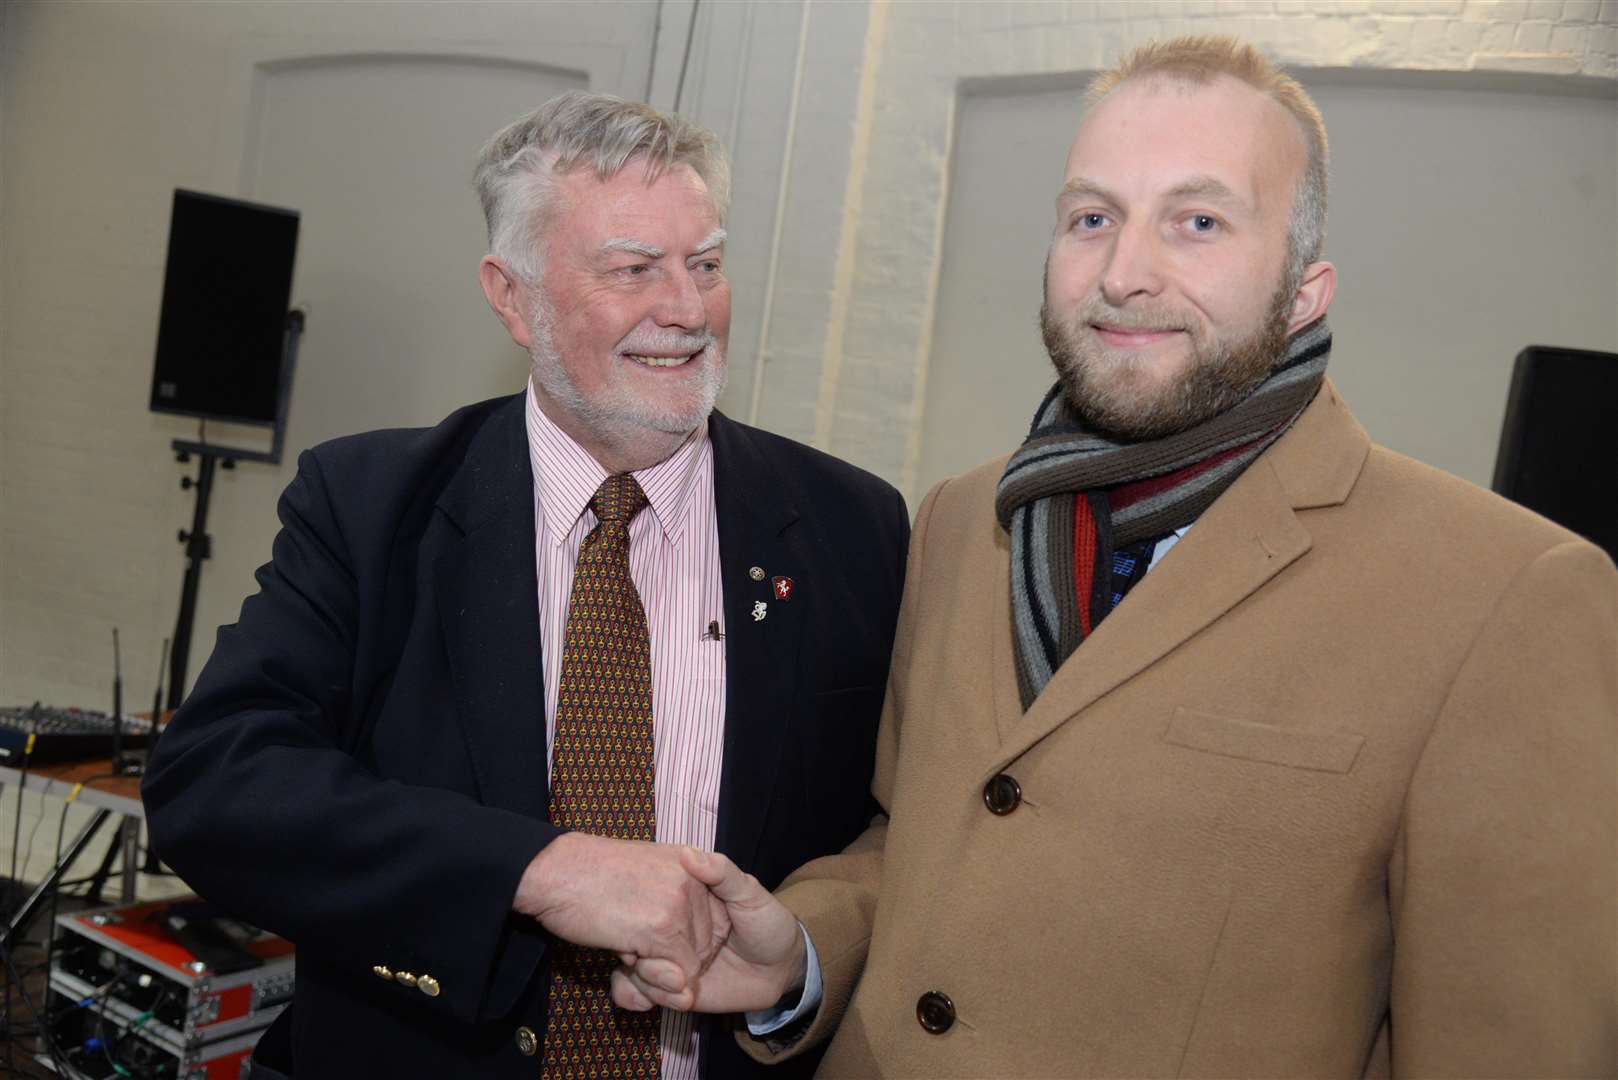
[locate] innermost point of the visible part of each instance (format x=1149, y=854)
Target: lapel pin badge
x=760, y=609
x=783, y=587
x=757, y=573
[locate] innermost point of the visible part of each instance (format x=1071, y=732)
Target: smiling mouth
x=1125, y=335
x=662, y=361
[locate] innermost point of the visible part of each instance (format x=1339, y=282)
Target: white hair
x=517, y=169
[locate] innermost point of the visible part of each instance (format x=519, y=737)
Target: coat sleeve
x=254, y=797
x=835, y=897
x=1504, y=879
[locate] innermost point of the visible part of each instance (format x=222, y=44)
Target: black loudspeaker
x=1559, y=444
x=225, y=296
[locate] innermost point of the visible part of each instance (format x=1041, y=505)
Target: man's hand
x=762, y=958
x=628, y=896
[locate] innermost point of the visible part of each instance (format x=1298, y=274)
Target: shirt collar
x=566, y=476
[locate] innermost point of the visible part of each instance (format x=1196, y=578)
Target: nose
x=1133, y=265
x=680, y=303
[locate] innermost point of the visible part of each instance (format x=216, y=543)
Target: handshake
x=692, y=931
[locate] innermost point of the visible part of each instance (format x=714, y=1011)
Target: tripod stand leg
x=98, y=880
x=129, y=834
x=25, y=914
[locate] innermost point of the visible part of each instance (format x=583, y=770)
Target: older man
x=1219, y=741
x=490, y=662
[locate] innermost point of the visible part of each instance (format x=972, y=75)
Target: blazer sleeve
x=835, y=897
x=1504, y=880
x=254, y=797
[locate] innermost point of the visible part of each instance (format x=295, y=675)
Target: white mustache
x=666, y=344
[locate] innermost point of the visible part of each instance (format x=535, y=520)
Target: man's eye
x=1090, y=221
x=709, y=266
x=1203, y=223
x=636, y=270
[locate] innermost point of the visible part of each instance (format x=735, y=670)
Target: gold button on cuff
x=428, y=985
x=527, y=1042
x=382, y=971
x=404, y=978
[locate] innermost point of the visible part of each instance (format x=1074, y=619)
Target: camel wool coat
x=1333, y=792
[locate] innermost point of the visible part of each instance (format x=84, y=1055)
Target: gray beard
x=617, y=414
x=1221, y=374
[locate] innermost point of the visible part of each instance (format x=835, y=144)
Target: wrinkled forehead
x=1155, y=130
x=629, y=204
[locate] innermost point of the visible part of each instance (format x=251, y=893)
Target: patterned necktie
x=601, y=783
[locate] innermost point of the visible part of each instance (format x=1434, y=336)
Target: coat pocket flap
x=1321, y=751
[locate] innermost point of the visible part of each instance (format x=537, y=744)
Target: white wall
x=1468, y=221
x=108, y=107
x=924, y=52
x=842, y=118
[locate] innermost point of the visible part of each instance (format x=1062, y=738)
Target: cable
x=56, y=860
x=44, y=1031
x=39, y=819
x=16, y=836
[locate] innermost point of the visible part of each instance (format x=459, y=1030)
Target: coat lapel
x=756, y=514
x=1247, y=537
x=488, y=603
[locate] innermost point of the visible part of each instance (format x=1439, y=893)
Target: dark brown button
x=935, y=1011
x=1002, y=795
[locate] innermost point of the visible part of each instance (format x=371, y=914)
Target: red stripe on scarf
x=1084, y=558
x=1129, y=494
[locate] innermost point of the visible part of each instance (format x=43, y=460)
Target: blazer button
x=527, y=1042
x=428, y=985
x=935, y=1011
x=404, y=978
x=1002, y=795
x=382, y=971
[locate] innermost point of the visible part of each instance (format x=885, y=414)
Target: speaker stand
x=198, y=544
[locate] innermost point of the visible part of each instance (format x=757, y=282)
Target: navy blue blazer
x=361, y=764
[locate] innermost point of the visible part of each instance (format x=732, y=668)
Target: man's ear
x=1315, y=291
x=505, y=292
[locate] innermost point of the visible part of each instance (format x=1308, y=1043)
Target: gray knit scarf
x=1070, y=499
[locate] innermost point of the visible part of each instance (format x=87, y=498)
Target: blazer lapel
x=1247, y=537
x=487, y=592
x=755, y=514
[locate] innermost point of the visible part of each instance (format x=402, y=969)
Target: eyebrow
x=634, y=247
x=711, y=241
x=1206, y=187
x=652, y=251
x=1081, y=186
x=1197, y=187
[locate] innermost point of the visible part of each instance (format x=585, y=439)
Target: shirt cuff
x=765, y=1021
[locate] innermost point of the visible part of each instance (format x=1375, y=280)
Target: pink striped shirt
x=674, y=561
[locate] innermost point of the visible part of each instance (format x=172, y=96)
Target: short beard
x=618, y=414
x=1104, y=390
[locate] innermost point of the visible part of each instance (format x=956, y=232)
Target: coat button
x=527, y=1042
x=404, y=978
x=935, y=1011
x=428, y=985
x=1002, y=795
x=382, y=971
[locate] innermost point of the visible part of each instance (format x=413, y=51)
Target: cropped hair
x=517, y=169
x=1199, y=60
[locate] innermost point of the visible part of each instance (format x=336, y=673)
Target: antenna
x=117, y=706
x=153, y=863
x=157, y=699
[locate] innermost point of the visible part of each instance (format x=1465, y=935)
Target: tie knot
x=618, y=499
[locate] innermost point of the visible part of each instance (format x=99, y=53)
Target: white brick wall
x=929, y=47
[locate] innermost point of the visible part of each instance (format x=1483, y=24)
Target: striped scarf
x=1070, y=499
